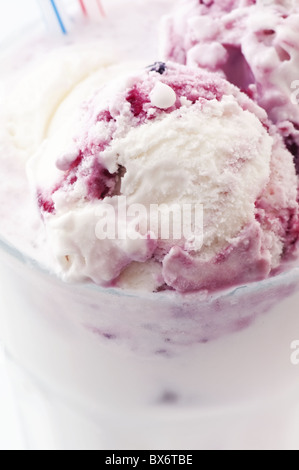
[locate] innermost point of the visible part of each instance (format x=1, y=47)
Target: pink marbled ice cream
x=253, y=44
x=169, y=135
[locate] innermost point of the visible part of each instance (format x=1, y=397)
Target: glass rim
x=289, y=275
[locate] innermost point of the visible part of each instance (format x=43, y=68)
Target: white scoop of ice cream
x=168, y=135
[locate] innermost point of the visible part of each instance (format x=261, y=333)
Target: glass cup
x=96, y=368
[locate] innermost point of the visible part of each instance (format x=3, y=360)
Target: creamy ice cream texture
x=168, y=134
x=254, y=44
x=190, y=136
x=165, y=135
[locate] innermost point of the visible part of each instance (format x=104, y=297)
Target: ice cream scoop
x=168, y=135
x=254, y=44
x=109, y=140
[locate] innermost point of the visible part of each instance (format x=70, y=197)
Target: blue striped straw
x=58, y=17
x=54, y=15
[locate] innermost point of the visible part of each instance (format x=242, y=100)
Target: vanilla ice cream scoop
x=168, y=136
x=254, y=44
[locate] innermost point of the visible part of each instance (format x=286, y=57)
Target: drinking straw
x=92, y=8
x=52, y=12
x=100, y=7
x=83, y=7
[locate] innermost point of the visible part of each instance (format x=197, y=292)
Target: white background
x=15, y=14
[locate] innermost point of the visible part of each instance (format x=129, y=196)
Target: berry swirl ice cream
x=167, y=135
x=155, y=341
x=118, y=134
x=254, y=44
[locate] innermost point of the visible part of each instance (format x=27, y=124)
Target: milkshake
x=122, y=337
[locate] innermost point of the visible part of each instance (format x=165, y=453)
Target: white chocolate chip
x=162, y=96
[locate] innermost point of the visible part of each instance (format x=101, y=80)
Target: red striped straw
x=102, y=11
x=88, y=5
x=83, y=7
